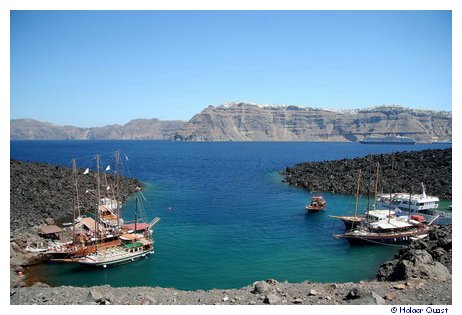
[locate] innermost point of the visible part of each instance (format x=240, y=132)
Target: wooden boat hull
x=314, y=209
x=384, y=238
x=350, y=222
x=116, y=261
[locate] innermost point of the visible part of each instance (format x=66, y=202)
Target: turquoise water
x=227, y=219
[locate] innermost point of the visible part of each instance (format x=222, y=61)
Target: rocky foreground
x=412, y=292
x=431, y=167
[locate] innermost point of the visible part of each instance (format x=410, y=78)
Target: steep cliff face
x=250, y=122
x=138, y=129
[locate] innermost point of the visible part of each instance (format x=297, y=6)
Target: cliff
x=250, y=122
x=138, y=129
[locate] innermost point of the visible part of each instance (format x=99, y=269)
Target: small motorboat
x=317, y=203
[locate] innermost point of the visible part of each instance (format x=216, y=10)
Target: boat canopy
x=129, y=237
x=139, y=226
x=393, y=224
x=381, y=214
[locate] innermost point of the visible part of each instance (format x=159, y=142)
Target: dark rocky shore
x=431, y=167
x=420, y=273
x=40, y=191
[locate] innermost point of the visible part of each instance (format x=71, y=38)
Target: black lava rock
x=431, y=167
x=41, y=191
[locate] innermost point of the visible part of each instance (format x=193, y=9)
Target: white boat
x=391, y=139
x=132, y=247
x=132, y=244
x=416, y=204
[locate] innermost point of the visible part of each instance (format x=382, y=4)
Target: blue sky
x=91, y=68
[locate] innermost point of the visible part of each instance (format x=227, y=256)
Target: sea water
x=227, y=219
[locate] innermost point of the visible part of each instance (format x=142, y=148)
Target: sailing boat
x=352, y=221
x=133, y=244
x=105, y=239
x=389, y=229
x=373, y=215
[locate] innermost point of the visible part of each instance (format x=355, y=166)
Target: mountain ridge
x=246, y=121
x=242, y=121
x=136, y=129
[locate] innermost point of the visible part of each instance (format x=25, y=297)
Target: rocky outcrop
x=41, y=191
x=250, y=122
x=425, y=259
x=431, y=167
x=138, y=129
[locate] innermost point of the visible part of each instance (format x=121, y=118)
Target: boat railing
x=443, y=213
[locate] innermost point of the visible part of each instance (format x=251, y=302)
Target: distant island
x=243, y=121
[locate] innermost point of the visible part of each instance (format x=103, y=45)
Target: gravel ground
x=411, y=292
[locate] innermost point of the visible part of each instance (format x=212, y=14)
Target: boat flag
x=86, y=171
x=108, y=167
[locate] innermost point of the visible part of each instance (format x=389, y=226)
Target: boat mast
x=117, y=158
x=368, y=195
x=409, y=208
x=357, y=196
x=376, y=186
x=98, y=196
x=391, y=185
x=136, y=210
x=74, y=171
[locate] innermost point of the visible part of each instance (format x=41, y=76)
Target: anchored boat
x=105, y=238
x=317, y=203
x=135, y=242
x=384, y=227
x=130, y=247
x=387, y=140
x=395, y=230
